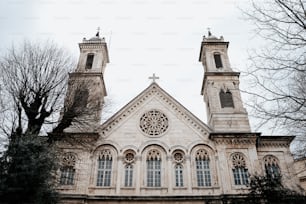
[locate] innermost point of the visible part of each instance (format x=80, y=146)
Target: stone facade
x=154, y=150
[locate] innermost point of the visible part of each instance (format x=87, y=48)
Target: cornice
x=234, y=138
x=274, y=141
x=216, y=74
x=85, y=74
x=75, y=138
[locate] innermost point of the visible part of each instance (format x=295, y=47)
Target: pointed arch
x=272, y=166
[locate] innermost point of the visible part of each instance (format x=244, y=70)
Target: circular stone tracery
x=153, y=123
x=178, y=157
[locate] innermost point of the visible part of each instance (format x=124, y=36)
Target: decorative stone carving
x=178, y=157
x=68, y=159
x=153, y=123
x=153, y=154
x=238, y=160
x=105, y=153
x=129, y=156
x=202, y=154
x=270, y=160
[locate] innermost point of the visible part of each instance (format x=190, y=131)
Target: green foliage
x=28, y=171
x=268, y=189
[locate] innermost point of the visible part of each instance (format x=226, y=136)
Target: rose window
x=238, y=160
x=68, y=159
x=129, y=157
x=153, y=123
x=178, y=157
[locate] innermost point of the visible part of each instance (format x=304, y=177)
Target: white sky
x=143, y=36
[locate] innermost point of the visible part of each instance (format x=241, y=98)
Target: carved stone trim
x=244, y=139
x=129, y=156
x=106, y=154
x=202, y=154
x=154, y=123
x=238, y=160
x=153, y=154
x=69, y=159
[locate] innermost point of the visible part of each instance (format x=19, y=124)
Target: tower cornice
x=212, y=74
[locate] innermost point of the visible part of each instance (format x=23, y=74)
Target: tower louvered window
x=89, y=61
x=226, y=99
x=218, y=61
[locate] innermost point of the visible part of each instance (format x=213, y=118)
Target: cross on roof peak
x=154, y=77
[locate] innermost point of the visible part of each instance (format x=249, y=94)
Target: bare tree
x=34, y=79
x=33, y=84
x=278, y=70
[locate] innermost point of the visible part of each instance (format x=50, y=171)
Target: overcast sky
x=143, y=37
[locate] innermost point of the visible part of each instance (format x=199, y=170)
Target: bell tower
x=220, y=88
x=86, y=88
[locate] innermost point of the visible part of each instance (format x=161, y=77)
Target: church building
x=154, y=150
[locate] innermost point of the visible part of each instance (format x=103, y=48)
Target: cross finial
x=98, y=32
x=209, y=33
x=154, y=77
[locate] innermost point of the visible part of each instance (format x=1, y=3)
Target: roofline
x=211, y=42
x=154, y=84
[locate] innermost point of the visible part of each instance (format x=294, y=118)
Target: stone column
x=138, y=174
x=169, y=174
x=189, y=174
x=120, y=168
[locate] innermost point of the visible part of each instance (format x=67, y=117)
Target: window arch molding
x=151, y=143
x=203, y=166
x=154, y=161
x=105, y=159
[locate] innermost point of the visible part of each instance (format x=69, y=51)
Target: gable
x=129, y=125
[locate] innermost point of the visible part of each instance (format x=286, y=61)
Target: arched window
x=226, y=99
x=218, y=61
x=179, y=182
x=128, y=179
x=153, y=168
x=89, y=61
x=67, y=169
x=203, y=168
x=272, y=167
x=129, y=159
x=240, y=171
x=104, y=168
x=178, y=158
